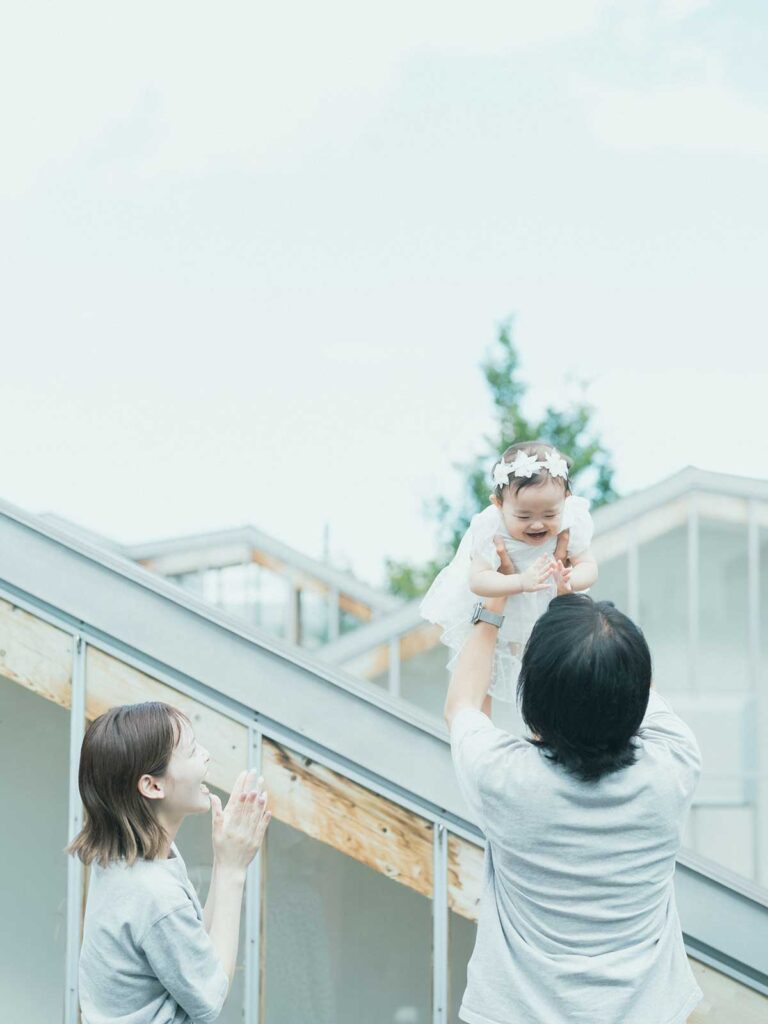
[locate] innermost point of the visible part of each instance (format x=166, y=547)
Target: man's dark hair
x=584, y=685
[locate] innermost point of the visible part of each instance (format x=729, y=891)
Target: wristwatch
x=481, y=614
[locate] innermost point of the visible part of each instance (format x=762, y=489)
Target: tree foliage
x=570, y=429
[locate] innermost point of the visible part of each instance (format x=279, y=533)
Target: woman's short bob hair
x=584, y=685
x=118, y=748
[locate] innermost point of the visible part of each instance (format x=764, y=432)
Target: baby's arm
x=487, y=582
x=584, y=571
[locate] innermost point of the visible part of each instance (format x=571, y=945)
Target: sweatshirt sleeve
x=661, y=726
x=481, y=759
x=181, y=954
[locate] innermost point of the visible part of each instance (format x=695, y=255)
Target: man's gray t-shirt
x=578, y=922
x=146, y=956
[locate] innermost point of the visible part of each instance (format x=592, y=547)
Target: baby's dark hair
x=516, y=483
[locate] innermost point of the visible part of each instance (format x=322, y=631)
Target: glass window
x=612, y=583
x=194, y=843
x=761, y=747
x=349, y=622
x=314, y=618
x=34, y=794
x=344, y=944
x=725, y=835
x=723, y=660
x=424, y=679
x=249, y=591
x=663, y=606
x=191, y=581
x=461, y=942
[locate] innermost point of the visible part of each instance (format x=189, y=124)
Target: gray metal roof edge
x=92, y=537
x=338, y=578
x=724, y=914
x=291, y=653
x=685, y=481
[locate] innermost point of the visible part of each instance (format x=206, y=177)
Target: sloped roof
x=235, y=538
x=108, y=597
x=684, y=482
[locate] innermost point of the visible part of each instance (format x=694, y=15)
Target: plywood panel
x=352, y=819
x=465, y=877
x=110, y=682
x=35, y=654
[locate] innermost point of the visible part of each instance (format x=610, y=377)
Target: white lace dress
x=449, y=601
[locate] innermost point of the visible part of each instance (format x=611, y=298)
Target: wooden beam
x=352, y=819
x=35, y=654
x=465, y=877
x=356, y=608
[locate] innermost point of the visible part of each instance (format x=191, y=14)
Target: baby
x=530, y=544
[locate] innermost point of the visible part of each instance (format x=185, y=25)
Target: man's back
x=578, y=919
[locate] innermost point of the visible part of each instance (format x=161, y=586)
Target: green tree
x=570, y=430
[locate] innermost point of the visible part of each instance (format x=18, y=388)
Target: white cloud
x=233, y=80
x=679, y=10
x=687, y=118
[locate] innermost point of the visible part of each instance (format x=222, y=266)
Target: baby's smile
x=536, y=536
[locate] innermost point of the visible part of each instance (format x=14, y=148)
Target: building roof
x=109, y=598
x=231, y=546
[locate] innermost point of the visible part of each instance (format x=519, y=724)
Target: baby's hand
x=562, y=577
x=536, y=577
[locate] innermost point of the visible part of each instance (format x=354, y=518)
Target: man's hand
x=562, y=577
x=506, y=566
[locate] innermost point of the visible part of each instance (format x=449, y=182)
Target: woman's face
x=532, y=514
x=181, y=790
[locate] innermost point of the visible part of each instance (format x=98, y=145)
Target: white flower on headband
x=501, y=473
x=556, y=464
x=525, y=465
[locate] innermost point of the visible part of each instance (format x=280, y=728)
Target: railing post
x=693, y=592
x=253, y=905
x=393, y=678
x=760, y=787
x=439, y=924
x=74, y=864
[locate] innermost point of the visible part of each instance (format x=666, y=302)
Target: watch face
x=476, y=611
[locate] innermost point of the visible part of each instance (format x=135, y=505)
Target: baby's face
x=533, y=514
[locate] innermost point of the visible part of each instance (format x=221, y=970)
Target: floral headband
x=527, y=465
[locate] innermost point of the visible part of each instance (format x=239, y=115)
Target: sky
x=253, y=255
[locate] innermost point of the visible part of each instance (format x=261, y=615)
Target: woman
x=578, y=923
x=151, y=954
